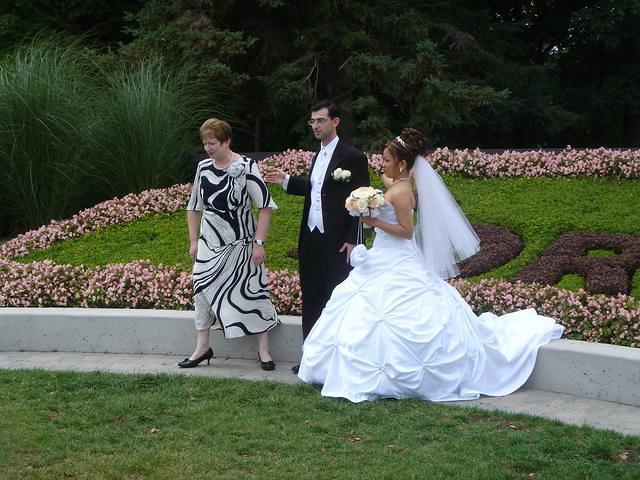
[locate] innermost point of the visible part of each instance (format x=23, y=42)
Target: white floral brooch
x=236, y=168
x=341, y=175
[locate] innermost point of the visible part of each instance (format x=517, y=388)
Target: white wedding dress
x=393, y=329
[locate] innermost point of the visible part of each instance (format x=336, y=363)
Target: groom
x=327, y=232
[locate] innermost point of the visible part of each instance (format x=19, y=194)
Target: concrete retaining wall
x=115, y=330
x=592, y=370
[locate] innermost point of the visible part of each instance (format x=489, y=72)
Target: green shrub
x=147, y=130
x=45, y=127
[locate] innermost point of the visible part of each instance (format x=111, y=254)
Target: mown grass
x=92, y=425
x=538, y=209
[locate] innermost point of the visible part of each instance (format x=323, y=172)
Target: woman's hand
x=258, y=254
x=193, y=249
x=372, y=222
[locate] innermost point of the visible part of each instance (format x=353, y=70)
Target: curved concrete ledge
x=121, y=330
x=591, y=370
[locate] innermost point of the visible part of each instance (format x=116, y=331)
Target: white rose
x=362, y=205
x=358, y=193
x=350, y=204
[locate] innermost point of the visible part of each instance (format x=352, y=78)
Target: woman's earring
x=401, y=169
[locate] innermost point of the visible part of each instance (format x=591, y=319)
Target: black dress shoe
x=187, y=363
x=270, y=365
x=295, y=369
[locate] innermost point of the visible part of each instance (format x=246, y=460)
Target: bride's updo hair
x=410, y=144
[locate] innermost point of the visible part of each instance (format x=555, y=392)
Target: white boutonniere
x=341, y=175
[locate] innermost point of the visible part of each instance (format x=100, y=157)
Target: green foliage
x=45, y=124
x=599, y=67
x=601, y=253
x=537, y=209
x=571, y=282
x=76, y=129
x=159, y=238
x=147, y=129
x=541, y=209
x=101, y=20
x=110, y=426
x=187, y=32
x=468, y=73
x=165, y=239
x=19, y=20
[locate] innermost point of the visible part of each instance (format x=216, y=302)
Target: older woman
x=228, y=247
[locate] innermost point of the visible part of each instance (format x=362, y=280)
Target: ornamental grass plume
x=45, y=126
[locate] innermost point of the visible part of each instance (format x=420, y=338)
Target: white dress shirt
x=317, y=180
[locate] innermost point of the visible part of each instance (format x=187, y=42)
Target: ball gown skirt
x=394, y=329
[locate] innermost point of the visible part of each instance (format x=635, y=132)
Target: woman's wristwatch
x=259, y=242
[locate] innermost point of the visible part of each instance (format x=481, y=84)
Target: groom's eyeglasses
x=319, y=121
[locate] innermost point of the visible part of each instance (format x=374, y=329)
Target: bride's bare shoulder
x=386, y=181
x=401, y=193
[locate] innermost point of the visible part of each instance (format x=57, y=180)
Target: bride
x=394, y=328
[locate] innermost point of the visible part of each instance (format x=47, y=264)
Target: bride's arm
x=402, y=202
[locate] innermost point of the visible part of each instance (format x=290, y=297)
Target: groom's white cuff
x=285, y=184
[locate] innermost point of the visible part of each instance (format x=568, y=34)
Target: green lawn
x=538, y=209
x=92, y=425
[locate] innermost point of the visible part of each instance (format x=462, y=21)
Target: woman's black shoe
x=266, y=365
x=186, y=363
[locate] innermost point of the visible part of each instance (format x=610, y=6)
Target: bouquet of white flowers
x=365, y=201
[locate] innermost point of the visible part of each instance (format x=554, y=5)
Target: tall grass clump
x=45, y=124
x=147, y=129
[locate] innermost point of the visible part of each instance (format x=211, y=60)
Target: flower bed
x=590, y=162
x=600, y=162
x=498, y=245
x=117, y=210
x=594, y=318
x=140, y=284
x=569, y=162
x=568, y=254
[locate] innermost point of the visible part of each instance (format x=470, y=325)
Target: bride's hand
x=372, y=222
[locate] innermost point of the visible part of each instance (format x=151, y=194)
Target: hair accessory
x=401, y=142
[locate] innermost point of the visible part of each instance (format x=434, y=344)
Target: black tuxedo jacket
x=339, y=226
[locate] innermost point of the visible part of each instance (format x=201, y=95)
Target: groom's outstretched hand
x=275, y=176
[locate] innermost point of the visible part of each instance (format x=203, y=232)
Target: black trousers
x=322, y=267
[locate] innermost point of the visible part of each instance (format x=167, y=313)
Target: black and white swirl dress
x=230, y=290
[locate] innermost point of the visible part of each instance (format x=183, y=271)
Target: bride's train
x=394, y=329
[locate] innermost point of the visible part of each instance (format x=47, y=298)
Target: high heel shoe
x=187, y=363
x=270, y=365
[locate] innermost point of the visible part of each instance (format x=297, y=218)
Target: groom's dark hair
x=334, y=110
